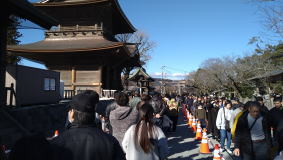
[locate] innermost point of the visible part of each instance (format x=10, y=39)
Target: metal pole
x=3, y=47
x=162, y=81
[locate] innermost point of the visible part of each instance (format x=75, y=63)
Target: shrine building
x=83, y=47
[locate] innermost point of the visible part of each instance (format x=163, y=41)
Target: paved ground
x=183, y=146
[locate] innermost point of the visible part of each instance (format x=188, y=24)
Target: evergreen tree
x=13, y=36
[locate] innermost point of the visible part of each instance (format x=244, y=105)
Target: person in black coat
x=262, y=106
x=31, y=147
x=208, y=107
x=276, y=120
x=83, y=140
x=214, y=112
x=252, y=135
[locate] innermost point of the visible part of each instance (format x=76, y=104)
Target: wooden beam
x=3, y=46
x=100, y=79
x=73, y=78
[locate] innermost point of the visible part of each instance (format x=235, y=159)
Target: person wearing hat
x=82, y=140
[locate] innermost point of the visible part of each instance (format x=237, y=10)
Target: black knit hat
x=85, y=102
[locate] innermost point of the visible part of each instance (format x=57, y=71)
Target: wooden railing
x=60, y=28
x=69, y=94
x=105, y=93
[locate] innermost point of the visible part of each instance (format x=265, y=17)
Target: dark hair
x=93, y=95
x=247, y=105
x=277, y=99
x=144, y=127
x=83, y=118
x=223, y=98
x=140, y=104
x=198, y=104
x=167, y=96
x=228, y=102
x=259, y=99
x=122, y=99
x=136, y=94
x=116, y=93
x=251, y=104
x=145, y=97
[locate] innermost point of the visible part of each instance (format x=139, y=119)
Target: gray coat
x=121, y=119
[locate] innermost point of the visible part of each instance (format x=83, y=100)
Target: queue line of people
x=132, y=128
x=248, y=125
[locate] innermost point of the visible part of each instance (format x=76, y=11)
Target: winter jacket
x=276, y=120
x=102, y=105
x=214, y=112
x=158, y=105
x=200, y=113
x=135, y=152
x=86, y=143
x=121, y=119
x=112, y=106
x=173, y=109
x=134, y=101
x=220, y=120
x=233, y=116
x=243, y=139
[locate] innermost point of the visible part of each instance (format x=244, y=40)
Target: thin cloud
x=170, y=76
x=156, y=74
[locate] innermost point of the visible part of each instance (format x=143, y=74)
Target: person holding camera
x=222, y=123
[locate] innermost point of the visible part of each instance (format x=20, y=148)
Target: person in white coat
x=145, y=140
x=222, y=123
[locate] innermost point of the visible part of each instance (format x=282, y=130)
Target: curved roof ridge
x=123, y=15
x=77, y=45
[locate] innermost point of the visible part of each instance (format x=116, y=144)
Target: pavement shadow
x=182, y=144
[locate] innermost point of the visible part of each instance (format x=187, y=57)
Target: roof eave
x=26, y=10
x=67, y=3
x=132, y=29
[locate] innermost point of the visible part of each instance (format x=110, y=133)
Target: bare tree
x=274, y=17
x=233, y=73
x=272, y=11
x=143, y=51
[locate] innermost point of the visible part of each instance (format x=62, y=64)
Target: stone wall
x=41, y=118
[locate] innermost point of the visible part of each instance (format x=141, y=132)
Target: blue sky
x=187, y=32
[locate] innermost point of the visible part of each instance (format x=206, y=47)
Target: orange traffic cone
x=191, y=120
x=194, y=127
x=56, y=133
x=204, y=148
x=188, y=115
x=198, y=134
x=216, y=153
x=188, y=119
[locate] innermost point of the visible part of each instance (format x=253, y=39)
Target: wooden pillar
x=141, y=90
x=100, y=80
x=114, y=78
x=108, y=78
x=3, y=47
x=73, y=78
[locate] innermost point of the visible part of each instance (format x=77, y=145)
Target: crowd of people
x=256, y=131
x=134, y=127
